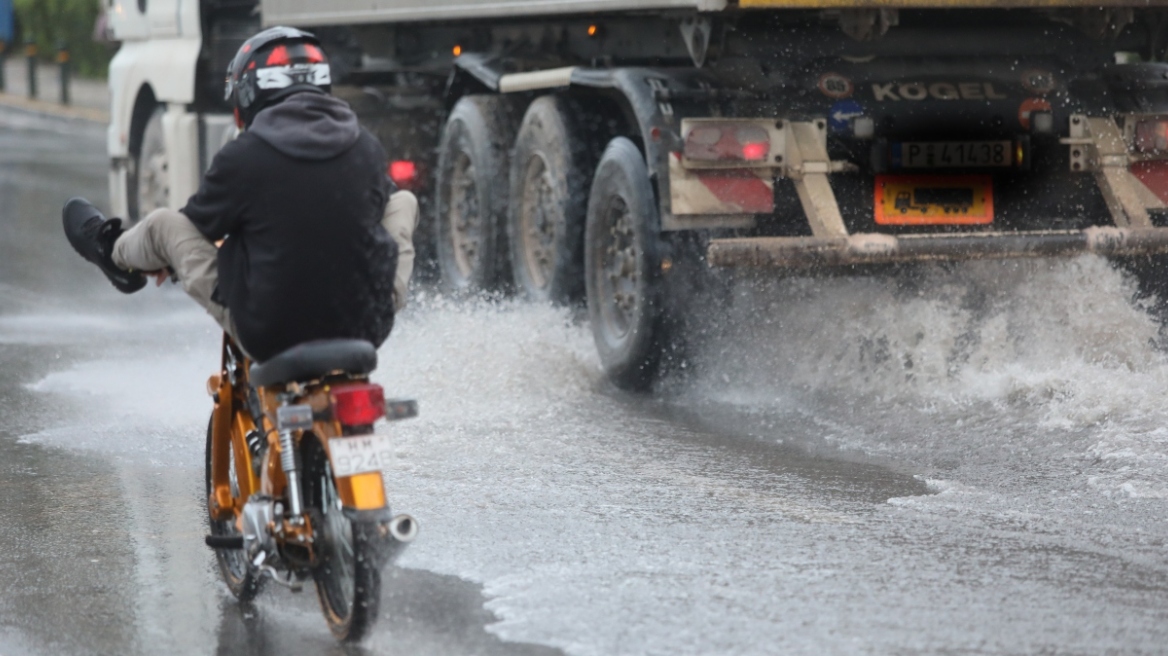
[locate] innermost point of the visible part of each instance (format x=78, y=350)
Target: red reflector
x=403, y=172
x=279, y=57
x=729, y=141
x=1152, y=136
x=315, y=56
x=359, y=405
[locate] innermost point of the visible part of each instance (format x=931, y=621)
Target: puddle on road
x=65, y=551
x=102, y=552
x=776, y=444
x=421, y=614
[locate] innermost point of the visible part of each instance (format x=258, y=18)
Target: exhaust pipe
x=403, y=528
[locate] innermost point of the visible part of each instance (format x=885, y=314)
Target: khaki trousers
x=166, y=238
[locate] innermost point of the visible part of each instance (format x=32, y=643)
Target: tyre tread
x=485, y=126
x=552, y=128
x=635, y=363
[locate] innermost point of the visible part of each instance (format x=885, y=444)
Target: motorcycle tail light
x=359, y=405
x=727, y=142
x=1152, y=136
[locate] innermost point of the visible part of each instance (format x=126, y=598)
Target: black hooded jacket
x=299, y=198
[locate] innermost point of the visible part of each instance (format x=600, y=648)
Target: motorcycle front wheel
x=346, y=572
x=243, y=581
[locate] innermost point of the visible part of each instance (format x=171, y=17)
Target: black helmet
x=273, y=65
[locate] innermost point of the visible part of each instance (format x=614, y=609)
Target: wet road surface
x=975, y=463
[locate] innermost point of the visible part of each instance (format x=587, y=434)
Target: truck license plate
x=358, y=455
x=934, y=200
x=951, y=154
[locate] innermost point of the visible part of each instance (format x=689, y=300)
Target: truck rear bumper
x=873, y=248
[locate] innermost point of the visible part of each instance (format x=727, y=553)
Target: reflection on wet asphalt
x=818, y=486
x=65, y=542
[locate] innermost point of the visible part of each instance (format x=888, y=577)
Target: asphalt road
x=101, y=546
x=975, y=462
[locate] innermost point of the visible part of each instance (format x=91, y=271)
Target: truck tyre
x=549, y=184
x=150, y=183
x=622, y=267
x=472, y=194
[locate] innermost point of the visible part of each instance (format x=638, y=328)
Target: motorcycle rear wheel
x=243, y=581
x=347, y=572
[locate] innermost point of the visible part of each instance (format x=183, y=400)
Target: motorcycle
x=294, y=477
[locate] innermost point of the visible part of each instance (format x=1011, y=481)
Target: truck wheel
x=549, y=177
x=622, y=267
x=150, y=186
x=472, y=194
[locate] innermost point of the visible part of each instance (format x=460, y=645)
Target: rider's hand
x=161, y=275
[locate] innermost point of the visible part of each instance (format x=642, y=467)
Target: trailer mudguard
x=646, y=98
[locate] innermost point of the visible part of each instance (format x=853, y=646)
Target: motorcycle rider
x=316, y=240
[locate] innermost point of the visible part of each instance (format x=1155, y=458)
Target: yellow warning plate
x=934, y=200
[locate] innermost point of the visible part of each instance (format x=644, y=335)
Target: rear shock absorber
x=290, y=418
x=288, y=464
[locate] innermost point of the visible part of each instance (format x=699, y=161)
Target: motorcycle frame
x=362, y=494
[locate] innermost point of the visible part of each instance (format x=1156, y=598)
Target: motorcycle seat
x=312, y=360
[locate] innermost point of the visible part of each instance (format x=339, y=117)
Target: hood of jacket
x=308, y=125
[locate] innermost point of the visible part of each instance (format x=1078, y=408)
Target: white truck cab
x=158, y=141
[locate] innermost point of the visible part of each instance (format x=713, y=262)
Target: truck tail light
x=1152, y=135
x=358, y=405
x=404, y=173
x=727, y=142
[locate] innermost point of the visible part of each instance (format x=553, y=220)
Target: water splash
x=1052, y=354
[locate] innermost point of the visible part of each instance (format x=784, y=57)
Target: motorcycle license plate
x=359, y=455
x=934, y=200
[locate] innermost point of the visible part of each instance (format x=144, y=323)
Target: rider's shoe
x=93, y=237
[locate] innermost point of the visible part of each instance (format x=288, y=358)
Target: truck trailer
x=616, y=151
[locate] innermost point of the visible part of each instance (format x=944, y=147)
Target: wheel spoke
x=336, y=540
x=233, y=564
